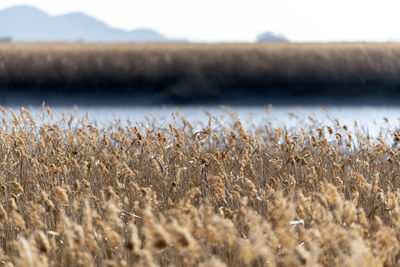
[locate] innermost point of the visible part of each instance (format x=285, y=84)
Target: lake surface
x=371, y=119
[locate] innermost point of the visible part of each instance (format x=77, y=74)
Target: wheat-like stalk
x=82, y=195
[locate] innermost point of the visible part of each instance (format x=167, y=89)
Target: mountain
x=271, y=37
x=29, y=24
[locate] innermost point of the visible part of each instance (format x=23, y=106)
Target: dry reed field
x=300, y=60
x=191, y=72
x=76, y=194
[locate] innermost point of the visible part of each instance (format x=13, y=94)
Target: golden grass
x=193, y=71
x=330, y=60
x=73, y=194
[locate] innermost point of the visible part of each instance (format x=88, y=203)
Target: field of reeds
x=76, y=194
x=188, y=73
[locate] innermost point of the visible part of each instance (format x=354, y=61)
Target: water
x=371, y=119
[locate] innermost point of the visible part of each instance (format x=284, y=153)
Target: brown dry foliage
x=200, y=73
x=333, y=61
x=81, y=195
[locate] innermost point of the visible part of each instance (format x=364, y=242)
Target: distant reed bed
x=73, y=194
x=204, y=72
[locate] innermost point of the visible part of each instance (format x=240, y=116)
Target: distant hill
x=29, y=24
x=5, y=39
x=271, y=37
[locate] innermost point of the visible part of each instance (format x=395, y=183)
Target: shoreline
x=58, y=100
x=187, y=74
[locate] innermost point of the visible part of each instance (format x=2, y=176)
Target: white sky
x=241, y=20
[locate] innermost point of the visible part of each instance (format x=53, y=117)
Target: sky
x=241, y=20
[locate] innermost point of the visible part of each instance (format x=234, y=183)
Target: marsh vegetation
x=203, y=73
x=76, y=194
